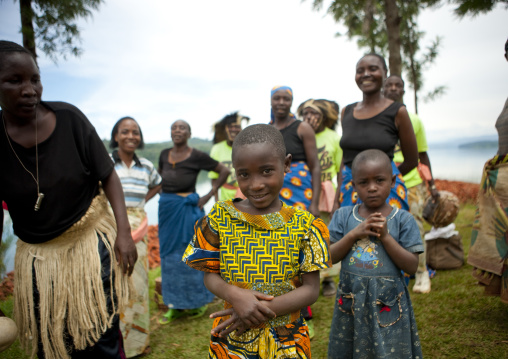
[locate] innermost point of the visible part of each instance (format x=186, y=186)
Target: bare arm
x=152, y=192
x=407, y=141
x=402, y=258
x=246, y=303
x=340, y=249
x=125, y=249
x=308, y=137
x=216, y=194
x=424, y=159
x=336, y=202
x=299, y=298
x=290, y=302
x=223, y=176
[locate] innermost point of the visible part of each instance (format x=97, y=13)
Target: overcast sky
x=160, y=61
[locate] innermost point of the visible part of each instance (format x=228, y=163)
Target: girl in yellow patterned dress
x=261, y=256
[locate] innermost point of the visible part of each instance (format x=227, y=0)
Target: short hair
x=381, y=58
x=400, y=78
x=188, y=126
x=114, y=144
x=9, y=47
x=260, y=133
x=371, y=155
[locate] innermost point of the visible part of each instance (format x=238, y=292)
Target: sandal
x=198, y=312
x=171, y=315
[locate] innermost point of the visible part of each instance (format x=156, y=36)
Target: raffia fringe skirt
x=68, y=271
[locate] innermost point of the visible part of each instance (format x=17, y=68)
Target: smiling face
x=260, y=174
x=232, y=130
x=180, y=132
x=281, y=104
x=373, y=181
x=20, y=86
x=128, y=136
x=394, y=88
x=370, y=74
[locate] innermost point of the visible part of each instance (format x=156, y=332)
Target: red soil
x=7, y=286
x=466, y=192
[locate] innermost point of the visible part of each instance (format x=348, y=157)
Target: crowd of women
x=72, y=299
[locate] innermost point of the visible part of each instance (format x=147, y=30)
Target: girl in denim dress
x=373, y=315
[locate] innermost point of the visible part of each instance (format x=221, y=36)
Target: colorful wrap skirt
x=396, y=199
x=286, y=336
x=297, y=188
x=182, y=286
x=489, y=240
x=135, y=318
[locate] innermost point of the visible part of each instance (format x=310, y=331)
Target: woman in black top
x=379, y=123
x=302, y=185
x=180, y=207
x=68, y=287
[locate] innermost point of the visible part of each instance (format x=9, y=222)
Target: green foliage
x=152, y=151
x=366, y=21
x=51, y=24
x=475, y=7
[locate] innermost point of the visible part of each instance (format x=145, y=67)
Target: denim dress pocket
x=345, y=301
x=388, y=306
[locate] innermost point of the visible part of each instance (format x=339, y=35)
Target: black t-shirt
x=72, y=161
x=293, y=142
x=182, y=176
x=378, y=132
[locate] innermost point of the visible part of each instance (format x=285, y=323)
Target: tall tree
x=50, y=25
x=388, y=26
x=475, y=7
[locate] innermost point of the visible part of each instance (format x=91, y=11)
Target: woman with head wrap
x=302, y=185
x=225, y=133
x=489, y=238
x=322, y=116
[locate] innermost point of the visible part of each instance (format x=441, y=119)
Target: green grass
x=455, y=319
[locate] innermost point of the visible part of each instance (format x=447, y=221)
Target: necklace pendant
x=39, y=201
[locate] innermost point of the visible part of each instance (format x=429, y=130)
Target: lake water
x=447, y=163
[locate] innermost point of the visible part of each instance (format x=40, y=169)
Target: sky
x=159, y=61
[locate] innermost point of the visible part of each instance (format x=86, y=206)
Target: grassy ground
x=455, y=320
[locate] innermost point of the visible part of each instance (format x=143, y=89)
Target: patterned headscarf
x=328, y=109
x=285, y=88
x=274, y=90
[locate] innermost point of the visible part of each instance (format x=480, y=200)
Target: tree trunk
x=27, y=27
x=392, y=19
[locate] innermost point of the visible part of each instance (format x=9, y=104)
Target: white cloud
x=159, y=61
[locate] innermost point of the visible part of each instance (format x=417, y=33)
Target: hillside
x=479, y=145
x=152, y=150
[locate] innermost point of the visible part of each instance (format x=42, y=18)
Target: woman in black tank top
x=379, y=123
x=302, y=186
